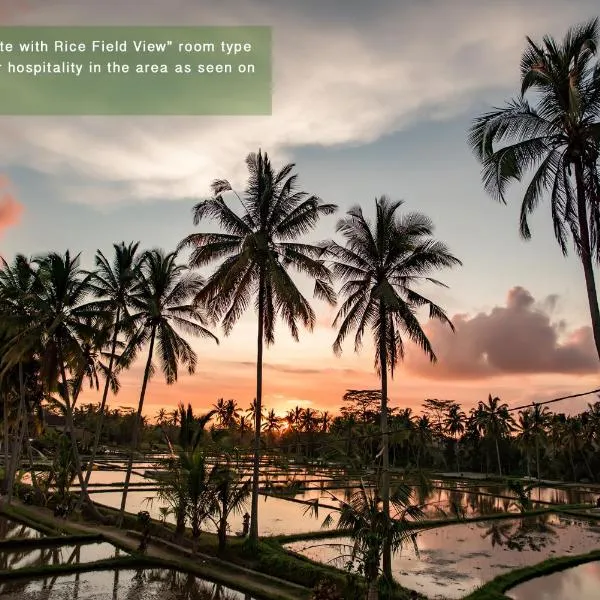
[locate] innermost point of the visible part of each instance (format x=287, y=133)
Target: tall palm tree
x=254, y=413
x=262, y=240
x=244, y=425
x=325, y=421
x=495, y=421
x=557, y=136
x=363, y=518
x=230, y=492
x=540, y=418
x=454, y=426
x=113, y=283
x=220, y=409
x=18, y=287
x=161, y=306
x=58, y=323
x=308, y=420
x=272, y=423
x=526, y=436
x=379, y=265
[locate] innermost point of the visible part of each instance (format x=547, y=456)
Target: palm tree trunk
x=257, y=417
x=5, y=441
x=498, y=456
x=71, y=429
x=586, y=254
x=385, y=483
x=372, y=591
x=18, y=442
x=537, y=458
x=587, y=464
x=137, y=427
x=572, y=465
x=30, y=455
x=104, y=398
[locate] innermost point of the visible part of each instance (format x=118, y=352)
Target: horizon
x=389, y=123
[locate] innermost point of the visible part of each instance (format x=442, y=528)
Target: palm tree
x=253, y=412
x=325, y=421
x=540, y=417
x=256, y=252
x=193, y=464
x=162, y=306
x=228, y=412
x=229, y=494
x=526, y=436
x=380, y=265
x=454, y=426
x=244, y=425
x=161, y=417
x=114, y=284
x=294, y=421
x=18, y=287
x=220, y=409
x=308, y=420
x=272, y=423
x=366, y=522
x=495, y=421
x=59, y=324
x=558, y=137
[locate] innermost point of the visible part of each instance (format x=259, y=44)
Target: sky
x=368, y=99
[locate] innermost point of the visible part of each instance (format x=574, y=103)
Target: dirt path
x=177, y=557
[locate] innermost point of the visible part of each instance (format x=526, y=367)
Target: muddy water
x=577, y=583
x=452, y=561
x=155, y=584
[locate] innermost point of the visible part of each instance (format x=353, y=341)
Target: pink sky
x=517, y=351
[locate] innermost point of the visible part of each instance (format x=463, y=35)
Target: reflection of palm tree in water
x=528, y=533
x=47, y=556
x=184, y=586
x=115, y=594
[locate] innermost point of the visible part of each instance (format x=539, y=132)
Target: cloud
x=342, y=75
x=292, y=370
x=518, y=338
x=10, y=208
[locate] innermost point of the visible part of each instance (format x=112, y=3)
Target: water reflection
x=453, y=560
x=12, y=530
x=531, y=533
x=581, y=583
x=59, y=555
x=141, y=584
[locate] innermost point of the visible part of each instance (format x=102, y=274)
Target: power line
x=596, y=391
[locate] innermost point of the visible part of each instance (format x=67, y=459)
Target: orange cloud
x=518, y=338
x=10, y=208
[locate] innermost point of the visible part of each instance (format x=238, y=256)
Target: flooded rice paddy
x=577, y=583
x=451, y=560
x=288, y=496
x=60, y=555
x=455, y=559
x=10, y=529
x=143, y=584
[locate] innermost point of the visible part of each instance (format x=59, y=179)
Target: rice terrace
x=186, y=494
